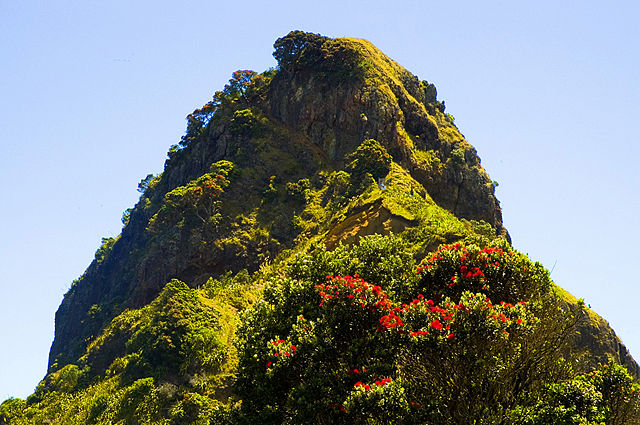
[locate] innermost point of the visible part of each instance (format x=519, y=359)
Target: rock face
x=282, y=130
x=389, y=104
x=601, y=341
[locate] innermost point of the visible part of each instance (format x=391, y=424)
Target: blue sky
x=94, y=93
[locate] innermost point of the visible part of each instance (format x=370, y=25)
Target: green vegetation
x=323, y=246
x=197, y=201
x=370, y=157
x=334, y=59
x=354, y=336
x=105, y=248
x=171, y=362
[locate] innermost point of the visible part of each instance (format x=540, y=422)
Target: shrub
x=497, y=270
x=196, y=204
x=245, y=122
x=370, y=157
x=297, y=190
x=329, y=346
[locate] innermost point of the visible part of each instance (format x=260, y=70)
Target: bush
x=245, y=122
x=297, y=190
x=195, y=205
x=370, y=157
x=333, y=342
x=497, y=270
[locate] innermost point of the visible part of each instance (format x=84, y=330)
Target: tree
x=608, y=395
x=195, y=204
x=236, y=87
x=298, y=49
x=144, y=183
x=370, y=157
x=462, y=341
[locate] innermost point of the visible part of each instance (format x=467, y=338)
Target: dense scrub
x=472, y=335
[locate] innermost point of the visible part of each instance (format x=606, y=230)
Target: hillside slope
x=338, y=162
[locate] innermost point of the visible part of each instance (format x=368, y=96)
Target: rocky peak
x=338, y=92
x=325, y=98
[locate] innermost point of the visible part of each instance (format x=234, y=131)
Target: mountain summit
x=325, y=99
x=323, y=246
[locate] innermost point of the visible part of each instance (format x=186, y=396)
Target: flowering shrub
x=470, y=344
x=498, y=271
x=354, y=290
x=381, y=401
x=424, y=320
x=280, y=351
x=329, y=346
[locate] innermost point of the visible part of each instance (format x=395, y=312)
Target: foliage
x=126, y=216
x=270, y=192
x=620, y=393
x=176, y=332
x=245, y=122
x=144, y=183
x=297, y=190
x=193, y=409
x=370, y=157
x=65, y=379
x=482, y=228
x=497, y=270
x=336, y=59
x=321, y=204
x=11, y=409
x=298, y=49
x=162, y=364
x=105, y=248
x=232, y=92
x=359, y=332
x=608, y=395
x=457, y=156
x=326, y=345
x=236, y=88
x=382, y=259
x=196, y=202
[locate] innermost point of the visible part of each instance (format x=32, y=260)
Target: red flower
x=436, y=324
